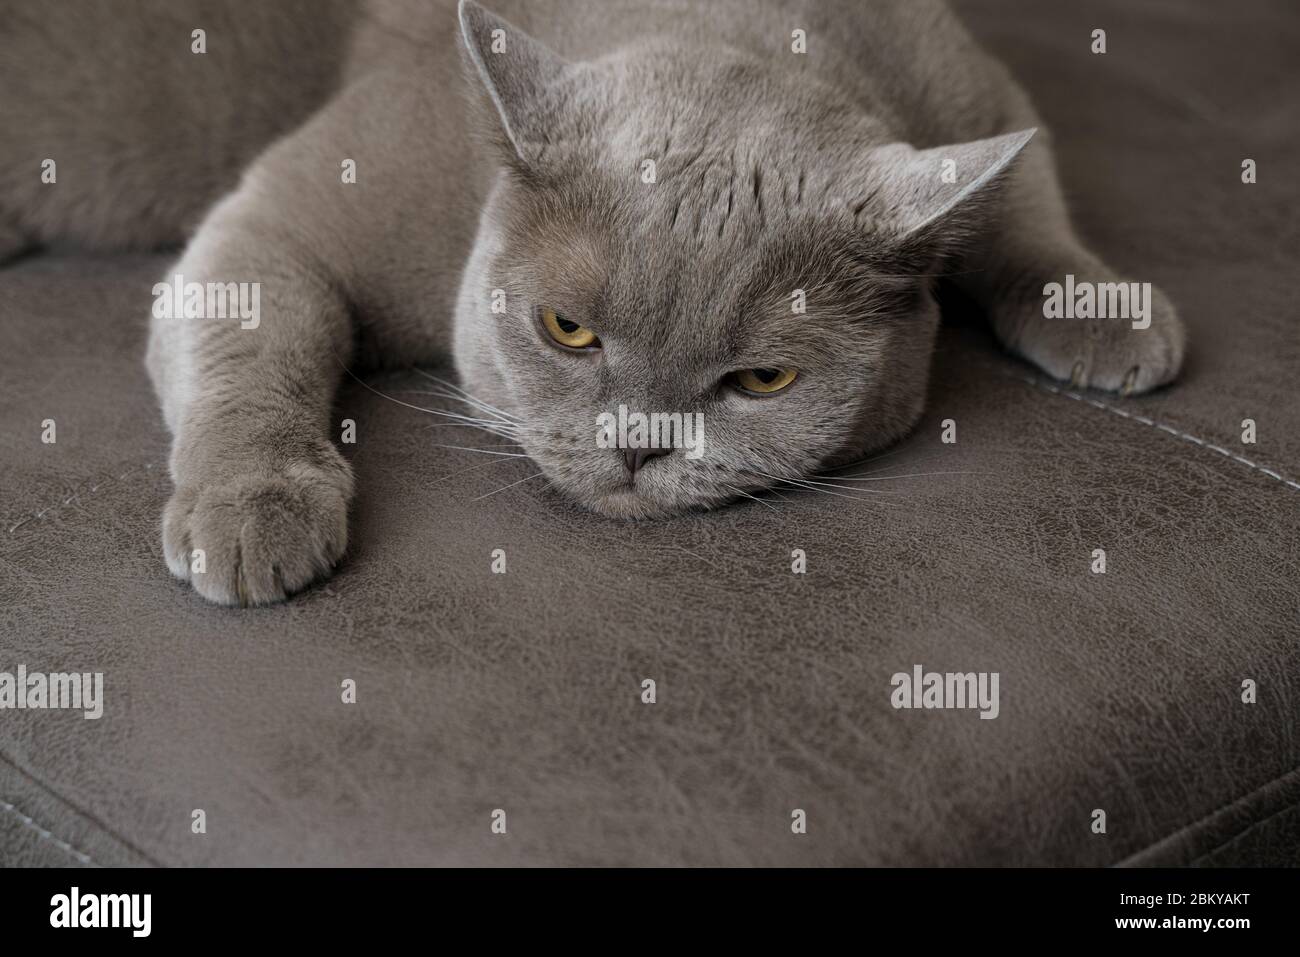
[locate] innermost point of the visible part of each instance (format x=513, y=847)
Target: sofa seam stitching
x=1192, y=825
x=46, y=835
x=103, y=828
x=1243, y=832
x=1160, y=426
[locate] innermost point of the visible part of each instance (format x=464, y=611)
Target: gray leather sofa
x=1120, y=692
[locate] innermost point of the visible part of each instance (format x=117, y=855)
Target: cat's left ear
x=523, y=78
x=942, y=188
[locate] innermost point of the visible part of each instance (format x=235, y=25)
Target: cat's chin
x=628, y=504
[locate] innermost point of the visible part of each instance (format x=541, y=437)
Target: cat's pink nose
x=635, y=458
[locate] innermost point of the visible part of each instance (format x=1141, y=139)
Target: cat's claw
x=1106, y=354
x=1076, y=375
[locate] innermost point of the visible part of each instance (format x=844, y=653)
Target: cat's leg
x=1033, y=244
x=261, y=498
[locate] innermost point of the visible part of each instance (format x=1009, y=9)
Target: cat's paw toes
x=1113, y=355
x=256, y=539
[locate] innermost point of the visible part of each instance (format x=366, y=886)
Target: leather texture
x=522, y=691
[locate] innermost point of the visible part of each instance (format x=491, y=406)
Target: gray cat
x=730, y=208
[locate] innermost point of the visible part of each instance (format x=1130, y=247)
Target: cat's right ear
x=941, y=191
x=522, y=77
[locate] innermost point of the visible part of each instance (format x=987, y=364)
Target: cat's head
x=690, y=231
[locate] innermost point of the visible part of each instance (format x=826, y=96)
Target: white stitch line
x=1162, y=427
x=77, y=495
x=47, y=836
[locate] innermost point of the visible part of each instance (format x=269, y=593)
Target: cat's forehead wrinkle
x=708, y=193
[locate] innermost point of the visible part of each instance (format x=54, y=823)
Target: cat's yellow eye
x=763, y=381
x=567, y=333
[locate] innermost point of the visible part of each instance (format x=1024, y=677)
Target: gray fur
x=521, y=171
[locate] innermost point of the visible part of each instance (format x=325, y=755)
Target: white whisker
x=452, y=397
x=466, y=448
x=889, y=478
x=469, y=397
x=741, y=491
x=471, y=468
x=846, y=488
x=511, y=485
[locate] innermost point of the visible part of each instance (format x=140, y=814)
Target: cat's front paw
x=1128, y=354
x=256, y=538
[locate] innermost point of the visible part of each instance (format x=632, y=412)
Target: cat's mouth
x=663, y=488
